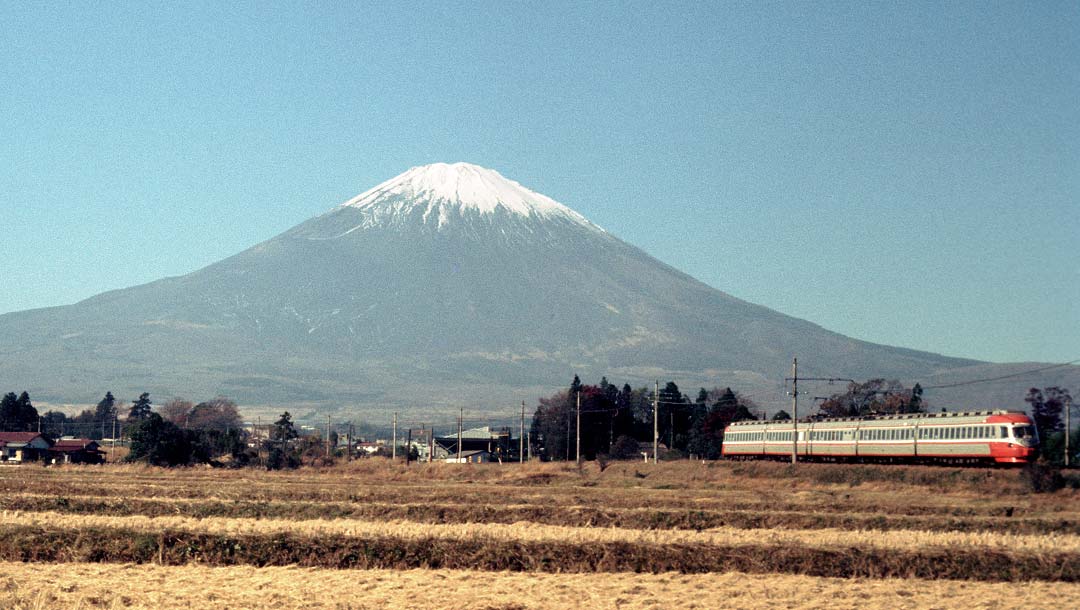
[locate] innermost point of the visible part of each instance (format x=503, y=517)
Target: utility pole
x=656, y=422
x=577, y=435
x=393, y=443
x=1068, y=427
x=521, y=435
x=794, y=410
x=530, y=445
x=567, y=437
x=408, y=447
x=328, y=435
x=461, y=415
x=348, y=440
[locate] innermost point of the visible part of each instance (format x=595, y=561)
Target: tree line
x=614, y=423
x=614, y=420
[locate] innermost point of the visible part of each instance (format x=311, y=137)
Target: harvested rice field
x=674, y=535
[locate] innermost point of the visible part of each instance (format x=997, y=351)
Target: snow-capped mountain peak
x=445, y=190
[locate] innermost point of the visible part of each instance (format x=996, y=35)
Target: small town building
x=476, y=456
x=18, y=447
x=76, y=451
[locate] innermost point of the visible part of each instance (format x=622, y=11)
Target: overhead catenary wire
x=1000, y=377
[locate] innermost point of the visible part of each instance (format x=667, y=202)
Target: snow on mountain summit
x=445, y=190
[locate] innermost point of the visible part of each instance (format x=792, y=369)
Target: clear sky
x=905, y=173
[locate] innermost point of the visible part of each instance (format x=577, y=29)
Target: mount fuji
x=447, y=285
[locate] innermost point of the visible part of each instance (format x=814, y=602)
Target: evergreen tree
x=915, y=405
x=104, y=415
x=27, y=414
x=284, y=430
x=575, y=386
x=1047, y=407
x=624, y=413
x=280, y=455
x=17, y=413
x=9, y=412
x=141, y=408
x=676, y=416
x=158, y=442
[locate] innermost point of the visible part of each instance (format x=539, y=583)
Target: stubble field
x=674, y=535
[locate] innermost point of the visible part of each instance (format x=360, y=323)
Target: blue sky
x=904, y=173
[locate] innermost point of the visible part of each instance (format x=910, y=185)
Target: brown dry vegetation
x=92, y=586
x=713, y=522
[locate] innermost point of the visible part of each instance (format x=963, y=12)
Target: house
x=76, y=451
x=496, y=442
x=476, y=456
x=20, y=447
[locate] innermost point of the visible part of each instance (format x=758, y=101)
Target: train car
x=1001, y=437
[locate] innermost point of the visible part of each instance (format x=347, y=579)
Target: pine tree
x=280, y=456
x=141, y=409
x=9, y=411
x=17, y=413
x=104, y=414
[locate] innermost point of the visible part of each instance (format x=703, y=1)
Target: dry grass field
x=676, y=535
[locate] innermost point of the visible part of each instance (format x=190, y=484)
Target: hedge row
x=35, y=544
x=548, y=515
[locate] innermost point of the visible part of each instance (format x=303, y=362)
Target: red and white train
x=1002, y=437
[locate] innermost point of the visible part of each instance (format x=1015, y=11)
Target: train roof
x=876, y=418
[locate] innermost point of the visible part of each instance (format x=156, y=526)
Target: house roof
x=74, y=444
x=18, y=437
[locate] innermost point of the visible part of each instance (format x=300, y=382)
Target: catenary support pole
x=794, y=410
x=577, y=434
x=521, y=435
x=393, y=444
x=656, y=422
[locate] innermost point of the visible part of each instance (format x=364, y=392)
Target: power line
x=1009, y=376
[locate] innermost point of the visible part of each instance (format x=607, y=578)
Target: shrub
x=1041, y=477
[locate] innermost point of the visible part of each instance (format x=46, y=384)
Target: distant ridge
x=448, y=285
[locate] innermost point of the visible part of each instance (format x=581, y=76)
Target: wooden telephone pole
x=656, y=422
x=577, y=435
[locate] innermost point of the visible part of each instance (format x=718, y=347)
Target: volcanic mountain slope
x=446, y=285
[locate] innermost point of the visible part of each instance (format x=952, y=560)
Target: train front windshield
x=1024, y=432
